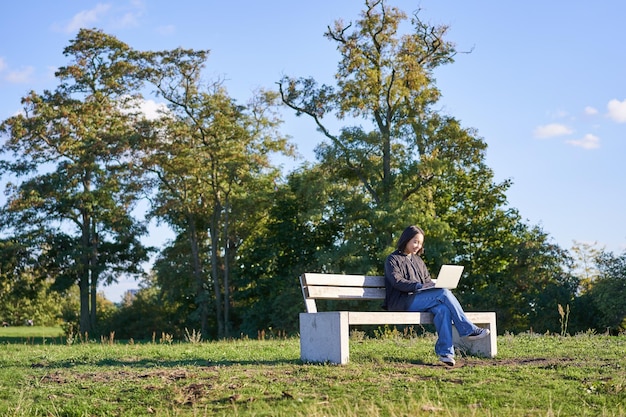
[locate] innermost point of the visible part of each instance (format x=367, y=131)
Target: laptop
x=449, y=276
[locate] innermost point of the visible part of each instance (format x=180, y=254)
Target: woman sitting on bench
x=405, y=275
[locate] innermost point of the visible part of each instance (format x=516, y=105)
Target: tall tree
x=73, y=147
x=391, y=172
x=209, y=155
x=405, y=162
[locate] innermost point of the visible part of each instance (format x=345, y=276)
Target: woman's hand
x=427, y=284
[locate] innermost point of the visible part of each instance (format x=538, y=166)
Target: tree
x=209, y=155
x=74, y=145
x=518, y=273
x=148, y=317
x=392, y=172
x=585, y=267
x=407, y=163
x=172, y=271
x=608, y=293
x=23, y=294
x=297, y=235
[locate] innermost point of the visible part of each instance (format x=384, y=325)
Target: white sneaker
x=479, y=333
x=447, y=359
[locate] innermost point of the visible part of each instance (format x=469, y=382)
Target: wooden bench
x=324, y=336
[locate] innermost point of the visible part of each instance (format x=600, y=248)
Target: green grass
x=30, y=334
x=533, y=375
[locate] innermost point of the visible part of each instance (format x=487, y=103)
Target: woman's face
x=414, y=245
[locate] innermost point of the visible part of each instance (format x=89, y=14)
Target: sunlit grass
x=533, y=375
x=31, y=334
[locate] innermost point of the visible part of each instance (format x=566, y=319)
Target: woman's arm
x=395, y=274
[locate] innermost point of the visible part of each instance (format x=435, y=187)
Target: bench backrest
x=340, y=287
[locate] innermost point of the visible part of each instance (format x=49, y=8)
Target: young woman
x=406, y=275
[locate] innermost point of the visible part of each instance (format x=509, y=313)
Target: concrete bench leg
x=324, y=337
x=486, y=347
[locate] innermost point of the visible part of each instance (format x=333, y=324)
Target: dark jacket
x=404, y=274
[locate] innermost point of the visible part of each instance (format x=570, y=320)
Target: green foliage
x=171, y=281
x=517, y=272
x=384, y=80
x=24, y=294
x=297, y=236
x=41, y=306
x=414, y=166
x=148, y=315
x=608, y=293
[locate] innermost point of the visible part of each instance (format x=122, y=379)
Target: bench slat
x=389, y=317
x=330, y=293
x=401, y=317
x=339, y=280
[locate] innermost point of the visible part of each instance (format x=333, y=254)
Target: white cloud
x=589, y=141
x=106, y=15
x=551, y=130
x=20, y=76
x=129, y=20
x=151, y=109
x=590, y=111
x=3, y=64
x=128, y=16
x=131, y=17
x=86, y=18
x=617, y=110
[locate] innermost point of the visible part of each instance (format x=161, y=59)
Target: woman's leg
x=461, y=322
x=426, y=300
x=442, y=319
x=443, y=325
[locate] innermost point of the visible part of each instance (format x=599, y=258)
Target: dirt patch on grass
x=220, y=386
x=542, y=363
x=168, y=375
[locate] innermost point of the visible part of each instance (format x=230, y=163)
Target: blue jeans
x=446, y=310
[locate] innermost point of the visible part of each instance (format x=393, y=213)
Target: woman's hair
x=408, y=234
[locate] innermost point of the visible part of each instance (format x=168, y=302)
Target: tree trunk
x=93, y=295
x=214, y=270
x=85, y=322
x=84, y=281
x=93, y=274
x=226, y=284
x=201, y=294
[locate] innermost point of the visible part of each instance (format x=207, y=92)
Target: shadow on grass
x=173, y=363
x=32, y=340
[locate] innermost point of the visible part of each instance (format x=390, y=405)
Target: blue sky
x=542, y=82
